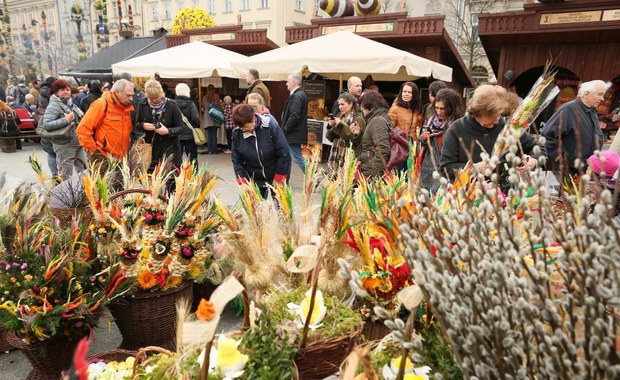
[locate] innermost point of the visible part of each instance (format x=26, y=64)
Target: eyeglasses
x=440, y=108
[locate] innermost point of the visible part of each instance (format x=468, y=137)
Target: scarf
x=348, y=118
x=401, y=103
x=435, y=125
x=67, y=107
x=157, y=109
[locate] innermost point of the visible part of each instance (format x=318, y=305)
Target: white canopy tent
x=191, y=60
x=343, y=53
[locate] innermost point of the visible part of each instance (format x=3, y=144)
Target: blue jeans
x=51, y=163
x=297, y=157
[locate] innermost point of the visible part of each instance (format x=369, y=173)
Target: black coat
x=162, y=145
x=295, y=118
x=262, y=156
x=454, y=157
x=88, y=100
x=574, y=127
x=189, y=109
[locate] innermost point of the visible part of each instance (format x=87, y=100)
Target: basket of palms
x=160, y=247
x=51, y=296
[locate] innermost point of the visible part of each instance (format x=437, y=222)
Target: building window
x=167, y=11
x=227, y=5
x=180, y=5
x=264, y=3
x=194, y=3
x=154, y=16
x=299, y=5
x=211, y=7
x=136, y=7
x=245, y=5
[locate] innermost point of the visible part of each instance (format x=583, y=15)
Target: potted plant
x=51, y=296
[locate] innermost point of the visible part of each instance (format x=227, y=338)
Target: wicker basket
x=4, y=344
x=141, y=357
x=8, y=146
x=323, y=358
x=66, y=215
x=149, y=319
x=47, y=362
x=375, y=330
x=117, y=355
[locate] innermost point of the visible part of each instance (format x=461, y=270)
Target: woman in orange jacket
x=405, y=112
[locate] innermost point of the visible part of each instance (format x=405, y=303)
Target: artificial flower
x=206, y=310
x=146, y=279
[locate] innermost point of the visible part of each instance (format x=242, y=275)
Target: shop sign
x=611, y=15
x=569, y=18
x=381, y=27
x=334, y=29
x=213, y=37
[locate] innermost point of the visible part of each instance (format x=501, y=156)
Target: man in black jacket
x=573, y=131
x=295, y=119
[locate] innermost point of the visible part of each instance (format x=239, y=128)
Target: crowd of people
x=102, y=120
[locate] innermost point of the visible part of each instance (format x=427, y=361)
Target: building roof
x=578, y=22
x=100, y=64
x=413, y=34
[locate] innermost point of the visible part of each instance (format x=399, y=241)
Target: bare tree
x=462, y=23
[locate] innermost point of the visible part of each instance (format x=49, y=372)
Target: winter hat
x=606, y=162
x=182, y=90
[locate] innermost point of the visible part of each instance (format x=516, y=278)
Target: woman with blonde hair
x=161, y=120
x=476, y=132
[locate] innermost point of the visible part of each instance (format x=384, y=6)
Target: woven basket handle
x=141, y=355
x=115, y=196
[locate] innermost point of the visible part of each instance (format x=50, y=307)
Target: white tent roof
x=192, y=60
x=343, y=53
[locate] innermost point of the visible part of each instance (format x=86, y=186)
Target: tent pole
x=340, y=83
x=200, y=97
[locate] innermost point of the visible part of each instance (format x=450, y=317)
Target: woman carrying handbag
x=190, y=111
x=58, y=124
x=162, y=122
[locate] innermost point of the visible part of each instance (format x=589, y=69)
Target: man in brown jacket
x=257, y=86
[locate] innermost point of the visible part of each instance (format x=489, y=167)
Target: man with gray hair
x=30, y=104
x=573, y=131
x=295, y=119
x=105, y=128
x=257, y=87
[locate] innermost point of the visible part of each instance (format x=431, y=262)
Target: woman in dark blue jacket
x=259, y=149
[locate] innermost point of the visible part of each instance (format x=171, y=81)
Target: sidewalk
x=13, y=365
